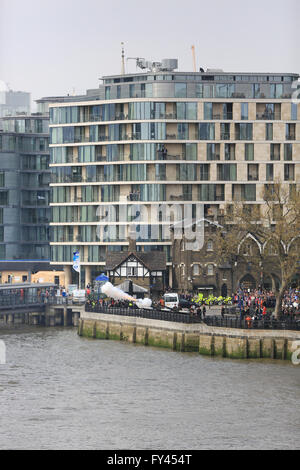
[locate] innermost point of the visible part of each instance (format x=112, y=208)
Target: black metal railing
x=227, y=321
x=256, y=324
x=145, y=313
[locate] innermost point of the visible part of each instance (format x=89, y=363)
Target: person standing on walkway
x=222, y=311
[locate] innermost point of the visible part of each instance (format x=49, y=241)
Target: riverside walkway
x=230, y=320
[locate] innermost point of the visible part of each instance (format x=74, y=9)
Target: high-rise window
x=204, y=171
x=290, y=132
x=211, y=192
x=294, y=111
x=225, y=131
x=249, y=152
x=229, y=151
x=244, y=111
x=208, y=111
x=243, y=131
x=253, y=172
x=289, y=172
x=226, y=172
x=213, y=151
x=269, y=171
x=107, y=93
x=275, y=152
x=244, y=192
x=180, y=90
x=3, y=198
x=269, y=131
x=206, y=131
x=288, y=152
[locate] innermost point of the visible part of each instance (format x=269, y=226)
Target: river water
x=60, y=391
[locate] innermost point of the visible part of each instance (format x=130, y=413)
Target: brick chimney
x=132, y=239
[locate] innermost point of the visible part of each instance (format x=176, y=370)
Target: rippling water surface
x=60, y=391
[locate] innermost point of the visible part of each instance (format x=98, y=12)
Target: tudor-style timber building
x=160, y=137
x=148, y=269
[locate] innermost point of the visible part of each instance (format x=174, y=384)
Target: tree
x=266, y=235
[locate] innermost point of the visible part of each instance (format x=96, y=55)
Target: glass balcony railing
x=225, y=136
x=268, y=116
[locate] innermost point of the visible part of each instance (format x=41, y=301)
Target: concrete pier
x=213, y=341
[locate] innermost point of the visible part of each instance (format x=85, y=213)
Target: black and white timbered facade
x=145, y=269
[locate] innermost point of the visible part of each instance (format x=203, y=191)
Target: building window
x=210, y=245
x=290, y=132
x=2, y=251
x=3, y=198
x=107, y=93
x=204, y=172
x=211, y=192
x=294, y=111
x=289, y=172
x=180, y=90
x=210, y=269
x=131, y=271
x=208, y=111
x=269, y=172
x=229, y=150
x=213, y=151
x=196, y=270
x=243, y=131
x=2, y=179
x=253, y=172
x=269, y=131
x=244, y=111
x=247, y=249
x=226, y=172
x=225, y=131
x=244, y=192
x=288, y=152
x=275, y=152
x=206, y=131
x=249, y=152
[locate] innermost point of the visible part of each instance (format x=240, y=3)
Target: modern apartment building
x=13, y=102
x=24, y=196
x=145, y=141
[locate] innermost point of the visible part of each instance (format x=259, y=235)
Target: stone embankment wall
x=213, y=341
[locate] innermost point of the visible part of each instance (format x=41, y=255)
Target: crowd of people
x=261, y=303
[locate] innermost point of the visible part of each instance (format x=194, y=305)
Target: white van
x=171, y=300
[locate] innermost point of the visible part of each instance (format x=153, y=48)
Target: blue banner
x=76, y=261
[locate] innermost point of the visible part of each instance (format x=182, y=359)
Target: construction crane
x=194, y=58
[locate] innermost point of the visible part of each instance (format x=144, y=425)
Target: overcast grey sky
x=50, y=47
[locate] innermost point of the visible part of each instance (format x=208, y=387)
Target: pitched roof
x=153, y=260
